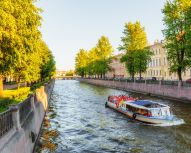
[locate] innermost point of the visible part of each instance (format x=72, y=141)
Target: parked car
x=152, y=79
x=188, y=81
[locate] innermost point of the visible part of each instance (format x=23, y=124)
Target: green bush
x=17, y=94
x=38, y=85
x=5, y=103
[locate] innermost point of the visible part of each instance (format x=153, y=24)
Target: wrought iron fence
x=152, y=81
x=169, y=82
x=24, y=110
x=185, y=84
x=140, y=81
x=6, y=122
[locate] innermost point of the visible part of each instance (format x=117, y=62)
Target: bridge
x=66, y=77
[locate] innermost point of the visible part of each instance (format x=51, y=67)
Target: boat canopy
x=148, y=104
x=143, y=102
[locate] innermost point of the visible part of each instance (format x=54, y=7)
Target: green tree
x=48, y=65
x=142, y=58
x=134, y=44
x=81, y=62
x=21, y=47
x=177, y=32
x=8, y=40
x=104, y=51
x=70, y=73
x=28, y=20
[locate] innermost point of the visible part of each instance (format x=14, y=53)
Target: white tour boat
x=142, y=110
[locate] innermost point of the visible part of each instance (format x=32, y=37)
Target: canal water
x=78, y=122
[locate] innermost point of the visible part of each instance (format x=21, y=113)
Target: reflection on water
x=78, y=121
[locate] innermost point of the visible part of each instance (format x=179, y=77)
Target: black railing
x=152, y=81
x=169, y=82
x=24, y=110
x=185, y=84
x=6, y=122
x=140, y=81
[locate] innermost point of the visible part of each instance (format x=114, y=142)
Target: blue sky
x=69, y=25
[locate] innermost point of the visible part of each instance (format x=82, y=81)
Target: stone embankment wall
x=169, y=91
x=21, y=124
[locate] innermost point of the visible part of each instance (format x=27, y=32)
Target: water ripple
x=78, y=121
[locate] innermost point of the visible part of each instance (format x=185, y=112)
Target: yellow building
x=158, y=66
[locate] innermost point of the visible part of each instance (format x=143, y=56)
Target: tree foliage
x=22, y=49
x=134, y=43
x=177, y=32
x=95, y=62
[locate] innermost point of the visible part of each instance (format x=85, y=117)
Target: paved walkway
x=13, y=86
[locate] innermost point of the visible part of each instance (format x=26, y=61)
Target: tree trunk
x=1, y=86
x=18, y=85
x=140, y=75
x=179, y=74
x=133, y=76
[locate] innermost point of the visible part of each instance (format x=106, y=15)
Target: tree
x=177, y=32
x=47, y=67
x=21, y=46
x=104, y=52
x=96, y=61
x=129, y=60
x=8, y=40
x=70, y=73
x=142, y=57
x=134, y=44
x=81, y=62
x=28, y=20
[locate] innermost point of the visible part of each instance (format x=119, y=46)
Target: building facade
x=118, y=69
x=158, y=66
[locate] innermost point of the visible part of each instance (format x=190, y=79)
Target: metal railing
x=6, y=122
x=147, y=81
x=169, y=82
x=24, y=110
x=185, y=84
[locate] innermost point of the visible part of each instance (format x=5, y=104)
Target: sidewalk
x=13, y=86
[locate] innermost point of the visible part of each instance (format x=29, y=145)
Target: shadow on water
x=78, y=121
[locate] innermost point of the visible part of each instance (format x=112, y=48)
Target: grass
x=16, y=96
x=13, y=97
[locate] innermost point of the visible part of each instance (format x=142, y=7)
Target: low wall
x=20, y=125
x=168, y=91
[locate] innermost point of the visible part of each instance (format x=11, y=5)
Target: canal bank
x=163, y=91
x=21, y=124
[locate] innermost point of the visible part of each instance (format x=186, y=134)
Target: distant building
x=158, y=66
x=60, y=73
x=118, y=69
